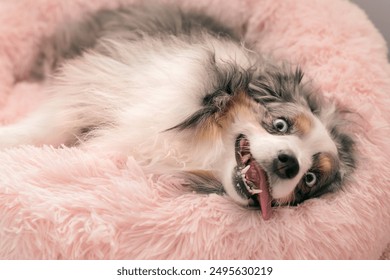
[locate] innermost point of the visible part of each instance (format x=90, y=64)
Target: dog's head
x=282, y=142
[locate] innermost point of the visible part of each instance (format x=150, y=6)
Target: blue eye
x=310, y=179
x=280, y=125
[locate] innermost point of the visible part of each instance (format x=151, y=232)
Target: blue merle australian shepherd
x=182, y=93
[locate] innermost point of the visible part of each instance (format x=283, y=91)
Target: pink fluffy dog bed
x=70, y=204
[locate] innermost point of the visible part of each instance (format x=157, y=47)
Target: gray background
x=379, y=13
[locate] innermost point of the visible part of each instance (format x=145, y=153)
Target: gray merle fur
x=127, y=22
x=272, y=84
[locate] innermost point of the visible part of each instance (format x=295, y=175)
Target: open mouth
x=249, y=179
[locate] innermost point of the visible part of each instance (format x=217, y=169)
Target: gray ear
x=277, y=84
x=340, y=123
x=228, y=80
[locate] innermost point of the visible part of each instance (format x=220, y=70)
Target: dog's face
x=281, y=146
x=282, y=154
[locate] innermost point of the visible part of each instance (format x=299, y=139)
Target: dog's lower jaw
x=226, y=176
x=232, y=193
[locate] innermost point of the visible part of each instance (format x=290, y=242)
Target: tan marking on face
x=325, y=163
x=241, y=107
x=303, y=124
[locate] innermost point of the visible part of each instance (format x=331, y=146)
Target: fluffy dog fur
x=182, y=94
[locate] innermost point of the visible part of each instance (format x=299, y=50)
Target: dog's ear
x=341, y=124
x=212, y=105
x=229, y=80
x=276, y=84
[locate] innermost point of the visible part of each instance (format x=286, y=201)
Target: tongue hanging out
x=258, y=178
x=253, y=176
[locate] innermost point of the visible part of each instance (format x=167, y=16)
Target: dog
x=184, y=94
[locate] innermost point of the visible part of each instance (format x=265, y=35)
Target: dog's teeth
x=246, y=157
x=252, y=188
x=245, y=169
x=256, y=191
x=248, y=188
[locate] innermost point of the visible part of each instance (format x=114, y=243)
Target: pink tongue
x=257, y=176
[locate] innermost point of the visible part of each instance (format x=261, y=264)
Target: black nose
x=286, y=165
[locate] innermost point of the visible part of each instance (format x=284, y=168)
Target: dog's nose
x=286, y=165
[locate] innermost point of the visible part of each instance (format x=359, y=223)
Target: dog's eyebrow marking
x=326, y=164
x=303, y=124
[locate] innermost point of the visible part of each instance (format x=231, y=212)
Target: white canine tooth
x=248, y=188
x=256, y=191
x=246, y=157
x=245, y=170
x=252, y=188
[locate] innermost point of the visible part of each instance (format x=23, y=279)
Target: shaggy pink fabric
x=71, y=204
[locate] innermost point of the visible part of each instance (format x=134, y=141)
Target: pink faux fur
x=72, y=204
